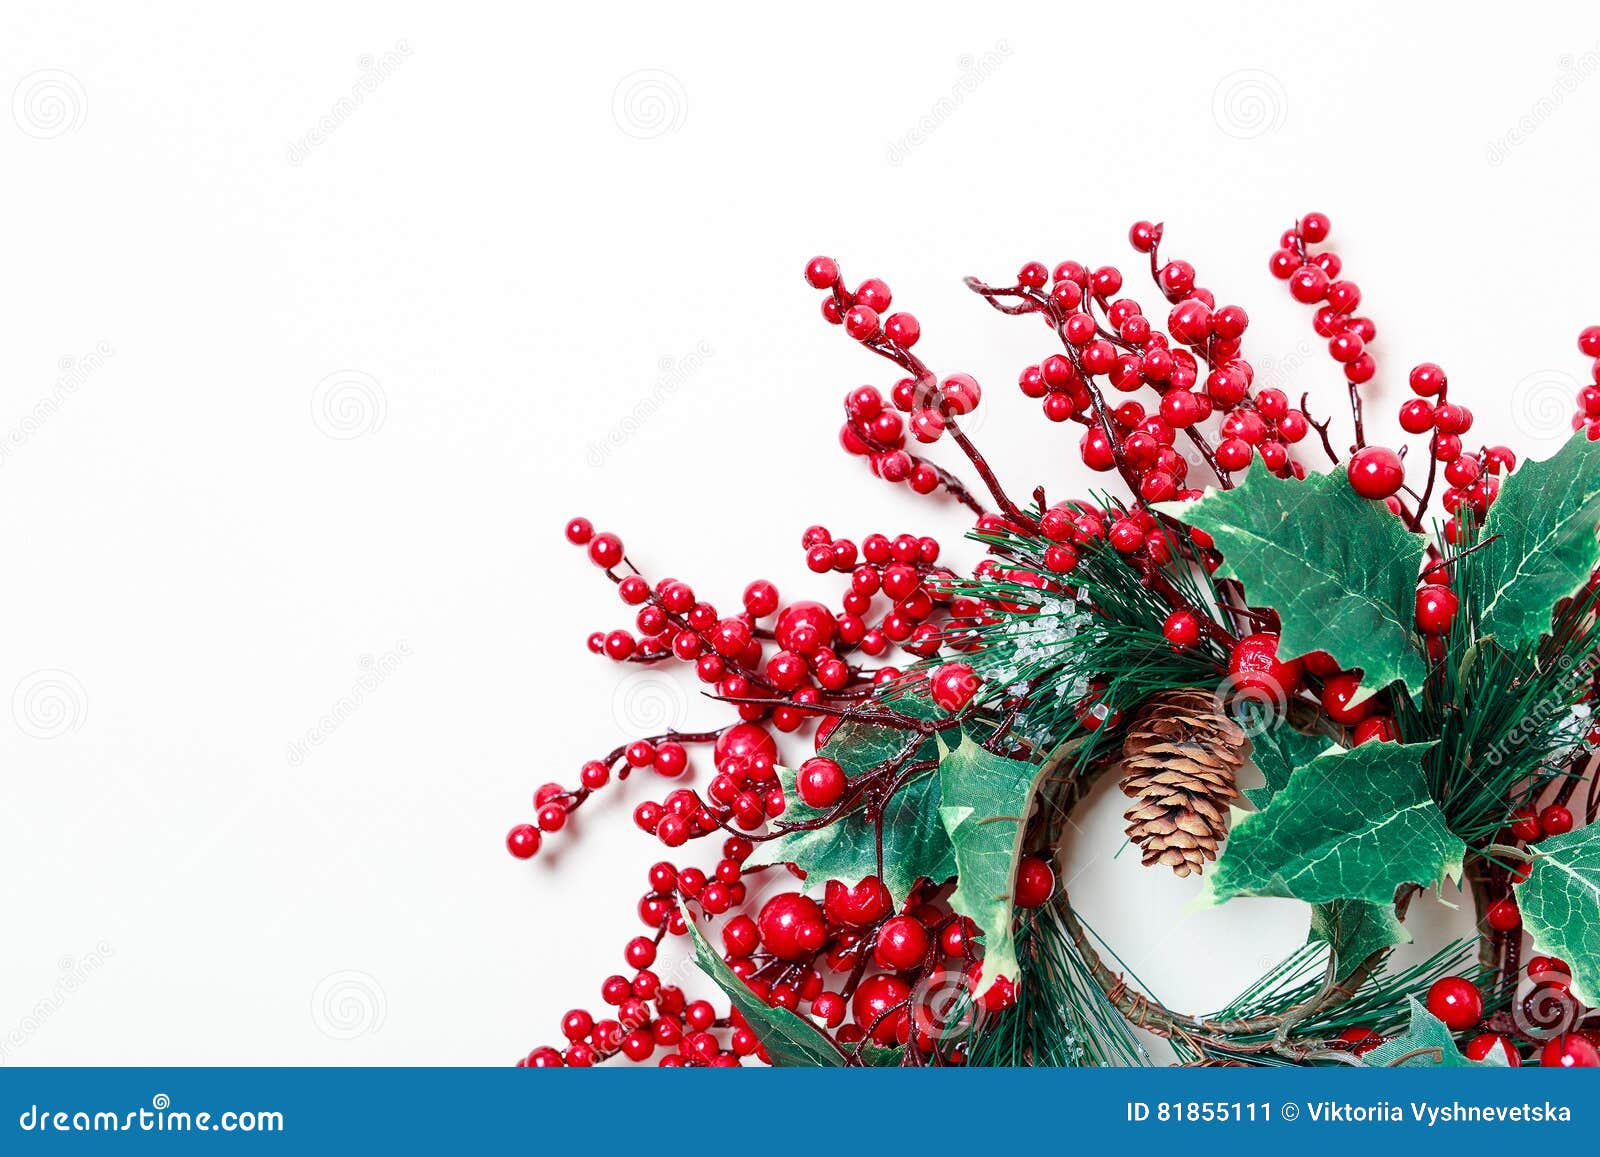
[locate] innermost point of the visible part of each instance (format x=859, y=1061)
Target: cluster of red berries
x=1194, y=367
x=1588, y=416
x=646, y=1016
x=920, y=408
x=1458, y=1002
x=778, y=675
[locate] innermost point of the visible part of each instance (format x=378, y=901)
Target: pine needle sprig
x=1507, y=721
x=1061, y=1018
x=1382, y=1003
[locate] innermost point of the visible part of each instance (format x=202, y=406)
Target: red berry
x=1570, y=1051
x=792, y=927
x=1525, y=825
x=1314, y=227
x=860, y=906
x=744, y=741
x=1436, y=609
x=1182, y=629
x=1034, y=884
x=523, y=841
x=953, y=686
x=1379, y=727
x=1255, y=669
x=1144, y=237
x=1483, y=1044
x=901, y=944
x=740, y=936
x=580, y=531
x=1337, y=692
x=879, y=1007
x=1427, y=380
x=805, y=628
x=1456, y=1001
x=605, y=550
x=1503, y=915
x=822, y=272
x=1376, y=472
x=1555, y=820
x=1308, y=284
x=821, y=783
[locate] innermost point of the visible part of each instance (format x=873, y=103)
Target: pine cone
x=1179, y=760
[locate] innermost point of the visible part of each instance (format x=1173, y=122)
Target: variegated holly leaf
x=1560, y=904
x=1543, y=548
x=1277, y=752
x=1427, y=1043
x=984, y=801
x=1355, y=929
x=1349, y=825
x=1340, y=570
x=915, y=844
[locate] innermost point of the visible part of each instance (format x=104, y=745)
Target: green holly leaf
x=1277, y=753
x=1340, y=570
x=914, y=843
x=790, y=1040
x=1545, y=518
x=984, y=801
x=1349, y=825
x=1355, y=929
x=1427, y=1043
x=1560, y=903
x=858, y=747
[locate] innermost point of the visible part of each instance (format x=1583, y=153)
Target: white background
x=331, y=395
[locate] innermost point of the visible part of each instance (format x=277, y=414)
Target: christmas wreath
x=1411, y=685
